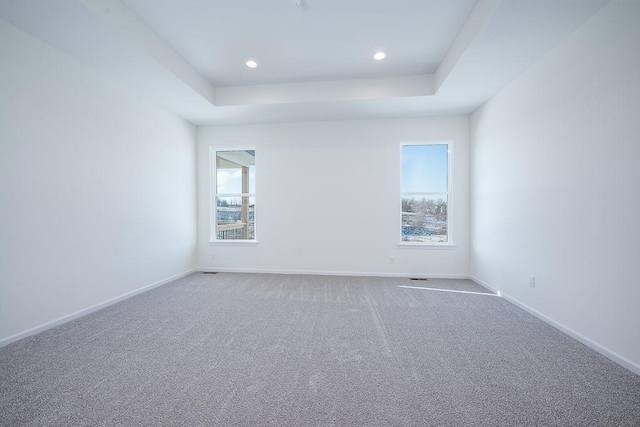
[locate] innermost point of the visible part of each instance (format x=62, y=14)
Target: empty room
x=319, y=213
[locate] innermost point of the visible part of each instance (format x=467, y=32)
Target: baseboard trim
x=612, y=355
x=485, y=285
x=334, y=273
x=80, y=313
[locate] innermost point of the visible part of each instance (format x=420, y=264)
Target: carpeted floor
x=281, y=350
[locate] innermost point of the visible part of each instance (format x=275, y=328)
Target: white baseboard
x=335, y=273
x=64, y=319
x=485, y=285
x=612, y=355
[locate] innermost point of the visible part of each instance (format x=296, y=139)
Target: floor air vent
x=419, y=278
x=209, y=272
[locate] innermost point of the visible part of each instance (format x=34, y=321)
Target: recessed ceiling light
x=379, y=56
x=252, y=64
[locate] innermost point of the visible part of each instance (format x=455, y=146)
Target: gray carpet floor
x=284, y=350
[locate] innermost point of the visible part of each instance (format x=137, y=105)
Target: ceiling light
x=379, y=56
x=252, y=64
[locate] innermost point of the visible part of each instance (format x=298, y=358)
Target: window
x=234, y=194
x=425, y=194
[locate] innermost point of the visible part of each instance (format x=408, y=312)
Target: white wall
x=328, y=197
x=97, y=188
x=556, y=185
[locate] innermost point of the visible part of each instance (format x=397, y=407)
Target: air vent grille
x=419, y=278
x=209, y=272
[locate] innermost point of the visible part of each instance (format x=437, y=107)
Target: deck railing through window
x=228, y=231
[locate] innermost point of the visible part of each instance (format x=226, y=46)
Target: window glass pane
x=235, y=218
x=228, y=181
x=235, y=172
x=424, y=219
x=252, y=179
x=424, y=168
x=251, y=227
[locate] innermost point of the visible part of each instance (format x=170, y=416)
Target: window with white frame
x=425, y=193
x=234, y=194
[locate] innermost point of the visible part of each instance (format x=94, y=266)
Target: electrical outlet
x=392, y=260
x=213, y=257
x=532, y=281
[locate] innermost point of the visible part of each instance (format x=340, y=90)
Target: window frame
x=213, y=195
x=450, y=198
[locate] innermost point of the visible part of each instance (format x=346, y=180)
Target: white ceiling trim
x=287, y=93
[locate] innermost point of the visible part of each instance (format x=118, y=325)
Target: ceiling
x=314, y=41
x=315, y=57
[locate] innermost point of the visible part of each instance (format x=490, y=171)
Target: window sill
x=410, y=245
x=233, y=242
